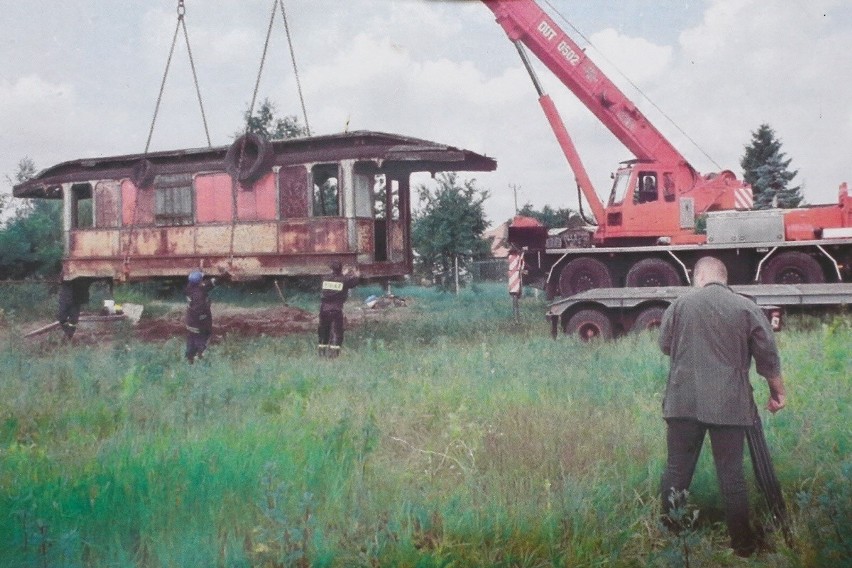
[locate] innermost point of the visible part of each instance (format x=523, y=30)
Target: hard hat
x=195, y=276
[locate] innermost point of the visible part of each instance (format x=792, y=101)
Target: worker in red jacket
x=199, y=318
x=335, y=290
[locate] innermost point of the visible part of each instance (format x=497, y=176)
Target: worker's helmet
x=195, y=276
x=336, y=266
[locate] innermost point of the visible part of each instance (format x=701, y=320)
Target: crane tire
x=648, y=319
x=793, y=267
x=142, y=174
x=589, y=325
x=583, y=274
x=248, y=157
x=652, y=272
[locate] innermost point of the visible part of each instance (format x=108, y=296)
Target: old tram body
x=255, y=209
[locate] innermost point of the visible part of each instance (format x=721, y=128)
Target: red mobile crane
x=647, y=234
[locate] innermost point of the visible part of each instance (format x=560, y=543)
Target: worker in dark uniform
x=72, y=295
x=199, y=318
x=335, y=290
x=711, y=335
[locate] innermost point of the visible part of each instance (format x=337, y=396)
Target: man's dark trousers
x=684, y=438
x=331, y=330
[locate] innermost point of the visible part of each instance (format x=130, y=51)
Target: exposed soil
x=274, y=321
x=249, y=322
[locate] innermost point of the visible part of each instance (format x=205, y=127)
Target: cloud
x=443, y=71
x=643, y=60
x=35, y=98
x=38, y=112
x=773, y=62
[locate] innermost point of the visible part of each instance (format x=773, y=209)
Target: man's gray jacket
x=711, y=334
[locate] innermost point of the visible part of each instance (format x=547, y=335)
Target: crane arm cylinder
x=573, y=158
x=565, y=142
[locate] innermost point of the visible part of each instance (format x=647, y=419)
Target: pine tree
x=771, y=185
x=766, y=168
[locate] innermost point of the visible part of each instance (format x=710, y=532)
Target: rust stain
x=106, y=204
x=295, y=237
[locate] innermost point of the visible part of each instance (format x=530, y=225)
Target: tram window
x=326, y=195
x=82, y=214
x=363, y=193
x=173, y=199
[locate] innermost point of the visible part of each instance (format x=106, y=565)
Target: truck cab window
x=646, y=188
x=326, y=195
x=619, y=187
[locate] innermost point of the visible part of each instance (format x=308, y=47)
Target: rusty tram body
x=255, y=209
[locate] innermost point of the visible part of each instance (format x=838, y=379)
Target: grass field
x=448, y=437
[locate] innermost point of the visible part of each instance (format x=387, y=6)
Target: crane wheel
x=248, y=157
x=648, y=319
x=583, y=274
x=589, y=325
x=793, y=267
x=142, y=174
x=652, y=272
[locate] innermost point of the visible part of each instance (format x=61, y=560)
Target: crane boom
x=524, y=21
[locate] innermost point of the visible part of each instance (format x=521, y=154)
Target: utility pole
x=514, y=187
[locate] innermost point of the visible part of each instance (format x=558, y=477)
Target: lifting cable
x=634, y=85
x=181, y=24
x=236, y=181
x=275, y=4
x=295, y=68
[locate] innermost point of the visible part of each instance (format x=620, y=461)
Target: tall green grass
x=450, y=437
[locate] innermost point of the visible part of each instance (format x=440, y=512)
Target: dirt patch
x=249, y=322
x=273, y=321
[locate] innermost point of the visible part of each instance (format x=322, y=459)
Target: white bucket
x=110, y=306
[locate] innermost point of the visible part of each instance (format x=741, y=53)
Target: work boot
x=334, y=352
x=745, y=551
x=68, y=329
x=322, y=350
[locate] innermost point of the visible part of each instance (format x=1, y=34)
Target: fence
x=490, y=270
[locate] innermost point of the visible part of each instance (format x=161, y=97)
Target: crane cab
x=645, y=205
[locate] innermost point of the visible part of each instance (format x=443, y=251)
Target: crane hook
x=181, y=9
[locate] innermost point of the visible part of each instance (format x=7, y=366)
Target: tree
x=26, y=170
x=553, y=218
x=766, y=169
x=265, y=122
x=772, y=179
x=31, y=241
x=450, y=224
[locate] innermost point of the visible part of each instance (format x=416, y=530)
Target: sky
x=80, y=79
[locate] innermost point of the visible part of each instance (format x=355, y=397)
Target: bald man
x=711, y=335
